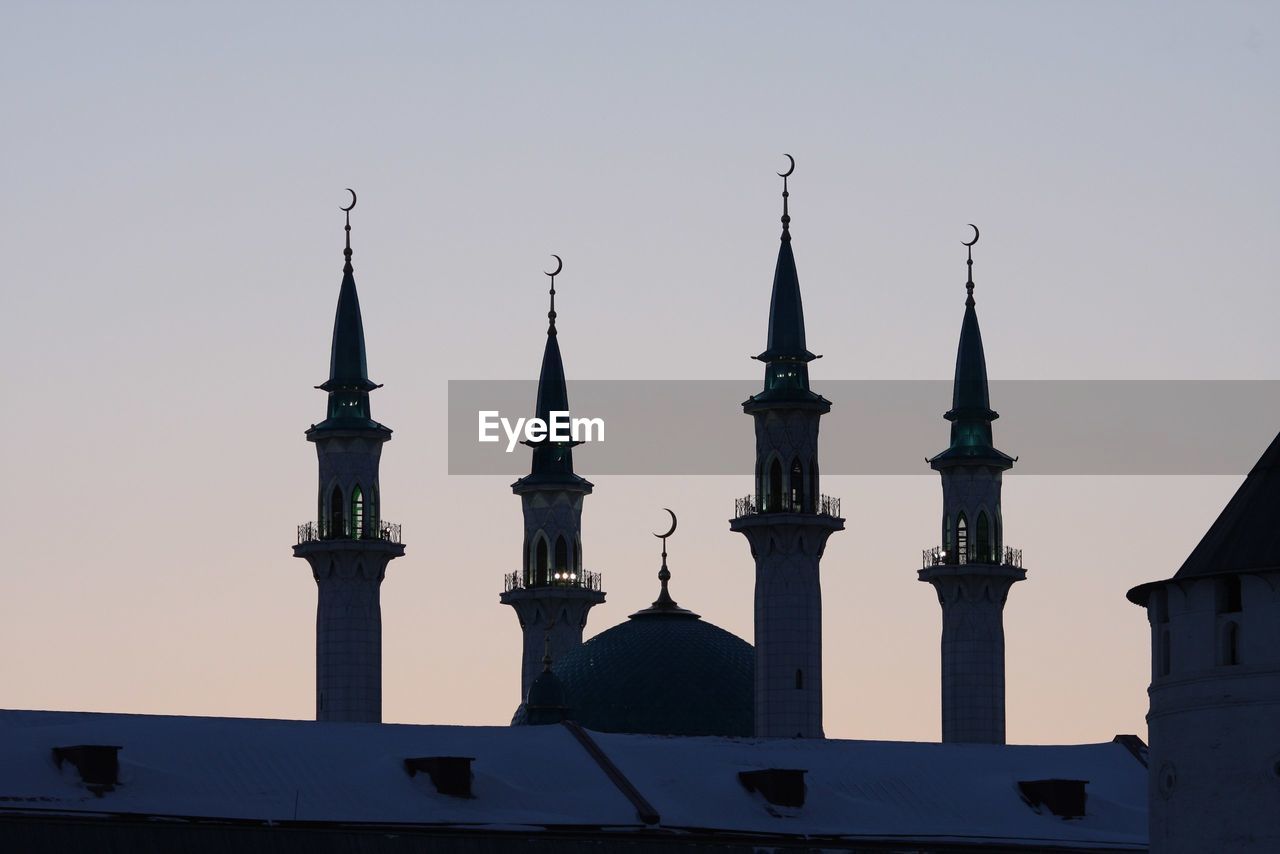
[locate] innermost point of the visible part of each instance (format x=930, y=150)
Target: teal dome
x=664, y=672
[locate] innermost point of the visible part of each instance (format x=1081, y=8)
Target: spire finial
x=969, y=284
x=664, y=574
x=551, y=315
x=786, y=214
x=347, y=268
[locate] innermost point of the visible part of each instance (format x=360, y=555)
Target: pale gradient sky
x=172, y=257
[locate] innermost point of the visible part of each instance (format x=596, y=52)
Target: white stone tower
x=1214, y=721
x=788, y=520
x=973, y=570
x=348, y=546
x=551, y=592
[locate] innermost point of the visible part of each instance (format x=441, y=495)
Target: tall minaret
x=348, y=546
x=551, y=592
x=787, y=520
x=972, y=571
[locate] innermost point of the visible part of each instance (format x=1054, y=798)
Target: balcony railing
x=581, y=580
x=938, y=556
x=754, y=505
x=311, y=532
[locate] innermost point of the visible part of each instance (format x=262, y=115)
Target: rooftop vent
x=1063, y=798
x=450, y=774
x=98, y=764
x=783, y=787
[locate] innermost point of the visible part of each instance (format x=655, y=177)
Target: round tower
x=348, y=545
x=972, y=570
x=551, y=593
x=787, y=520
x=1214, y=718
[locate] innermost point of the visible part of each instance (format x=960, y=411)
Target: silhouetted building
x=1214, y=723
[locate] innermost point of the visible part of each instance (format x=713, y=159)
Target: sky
x=172, y=249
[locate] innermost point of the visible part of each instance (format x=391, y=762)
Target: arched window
x=337, y=514
x=562, y=556
x=526, y=562
x=775, y=486
x=946, y=535
x=357, y=513
x=1163, y=662
x=813, y=485
x=1231, y=643
x=982, y=554
x=540, y=561
x=796, y=493
x=962, y=539
x=1228, y=595
x=799, y=678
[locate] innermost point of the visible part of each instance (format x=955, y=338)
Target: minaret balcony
x=313, y=532
x=757, y=505
x=572, y=579
x=938, y=556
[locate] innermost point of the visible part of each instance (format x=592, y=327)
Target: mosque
x=667, y=732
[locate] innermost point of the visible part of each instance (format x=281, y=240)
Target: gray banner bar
x=697, y=427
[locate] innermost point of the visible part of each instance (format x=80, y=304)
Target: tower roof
x=786, y=310
x=971, y=413
x=348, y=384
x=1245, y=536
x=348, y=365
x=552, y=461
x=786, y=355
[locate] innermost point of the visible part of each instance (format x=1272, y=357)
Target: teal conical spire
x=786, y=356
x=348, y=384
x=552, y=461
x=971, y=413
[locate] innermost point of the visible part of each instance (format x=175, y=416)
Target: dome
x=665, y=671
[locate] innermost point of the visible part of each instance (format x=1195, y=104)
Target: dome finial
x=786, y=214
x=664, y=600
x=969, y=284
x=551, y=315
x=347, y=268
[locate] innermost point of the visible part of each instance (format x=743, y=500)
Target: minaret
x=348, y=546
x=787, y=520
x=1214, y=721
x=972, y=571
x=551, y=592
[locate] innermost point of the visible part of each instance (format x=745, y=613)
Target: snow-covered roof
x=549, y=777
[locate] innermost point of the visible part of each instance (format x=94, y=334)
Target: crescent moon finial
x=786, y=214
x=551, y=315
x=346, y=267
x=669, y=532
x=969, y=245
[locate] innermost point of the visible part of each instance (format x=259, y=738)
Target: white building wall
x=1214, y=727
